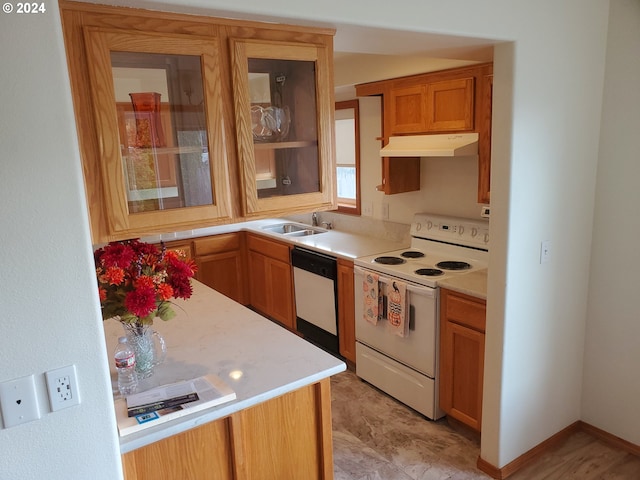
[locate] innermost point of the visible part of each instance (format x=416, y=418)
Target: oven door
x=419, y=348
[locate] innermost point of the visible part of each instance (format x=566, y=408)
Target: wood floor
x=378, y=438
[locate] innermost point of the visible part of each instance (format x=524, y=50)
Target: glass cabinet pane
x=162, y=130
x=284, y=126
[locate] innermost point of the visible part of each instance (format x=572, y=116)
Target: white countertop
x=212, y=334
x=472, y=283
x=333, y=242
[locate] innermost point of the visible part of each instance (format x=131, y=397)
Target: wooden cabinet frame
x=241, y=50
x=156, y=31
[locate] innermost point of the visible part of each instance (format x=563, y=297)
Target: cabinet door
x=223, y=272
x=462, y=324
x=407, y=108
x=203, y=452
x=259, y=282
x=162, y=157
x=450, y=106
x=346, y=310
x=283, y=99
x=221, y=264
x=461, y=373
x=281, y=293
x=484, y=129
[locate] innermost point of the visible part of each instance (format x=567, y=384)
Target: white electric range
x=406, y=367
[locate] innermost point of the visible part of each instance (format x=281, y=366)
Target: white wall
x=611, y=380
x=49, y=316
x=548, y=86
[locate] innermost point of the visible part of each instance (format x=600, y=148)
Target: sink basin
x=293, y=229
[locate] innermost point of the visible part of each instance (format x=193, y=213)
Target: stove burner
x=429, y=272
x=453, y=265
x=389, y=260
x=412, y=254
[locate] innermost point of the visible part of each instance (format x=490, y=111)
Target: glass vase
x=149, y=346
x=146, y=106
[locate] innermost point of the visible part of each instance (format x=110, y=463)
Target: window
x=348, y=157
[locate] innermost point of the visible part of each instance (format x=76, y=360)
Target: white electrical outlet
x=62, y=385
x=545, y=251
x=385, y=211
x=367, y=209
x=18, y=401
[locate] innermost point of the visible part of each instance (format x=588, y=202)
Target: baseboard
x=549, y=443
x=529, y=456
x=611, y=439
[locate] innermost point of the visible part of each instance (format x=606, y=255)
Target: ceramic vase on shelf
x=149, y=346
x=146, y=108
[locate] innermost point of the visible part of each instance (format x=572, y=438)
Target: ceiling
x=366, y=54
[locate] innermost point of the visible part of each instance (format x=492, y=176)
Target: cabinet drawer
x=464, y=309
x=270, y=248
x=217, y=244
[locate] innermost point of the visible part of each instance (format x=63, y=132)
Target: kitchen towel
x=397, y=309
x=371, y=298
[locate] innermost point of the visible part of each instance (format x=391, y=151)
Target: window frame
x=351, y=209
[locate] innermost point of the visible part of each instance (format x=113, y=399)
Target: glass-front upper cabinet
x=160, y=130
x=283, y=98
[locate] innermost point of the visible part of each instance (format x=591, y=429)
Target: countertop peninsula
x=212, y=334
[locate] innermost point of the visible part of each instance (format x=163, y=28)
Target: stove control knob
x=474, y=232
x=461, y=230
x=429, y=225
x=418, y=227
x=486, y=237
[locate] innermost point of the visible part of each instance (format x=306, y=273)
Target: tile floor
x=377, y=438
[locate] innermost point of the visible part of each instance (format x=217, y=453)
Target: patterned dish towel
x=371, y=298
x=397, y=309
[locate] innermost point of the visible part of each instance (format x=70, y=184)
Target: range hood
x=446, y=145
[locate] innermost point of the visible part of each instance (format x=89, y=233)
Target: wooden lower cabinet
x=346, y=310
x=288, y=437
x=221, y=264
x=271, y=279
x=462, y=335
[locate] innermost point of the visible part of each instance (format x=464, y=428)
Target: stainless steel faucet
x=314, y=219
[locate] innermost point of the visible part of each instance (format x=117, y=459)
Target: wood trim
x=540, y=449
x=325, y=442
x=355, y=105
x=610, y=439
x=529, y=456
x=193, y=21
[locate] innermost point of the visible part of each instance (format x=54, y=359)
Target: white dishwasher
x=314, y=276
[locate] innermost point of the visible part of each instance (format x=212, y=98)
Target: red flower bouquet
x=136, y=281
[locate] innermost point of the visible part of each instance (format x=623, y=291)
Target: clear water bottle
x=125, y=359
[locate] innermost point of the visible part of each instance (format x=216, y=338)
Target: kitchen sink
x=293, y=229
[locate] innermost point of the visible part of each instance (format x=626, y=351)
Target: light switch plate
x=18, y=401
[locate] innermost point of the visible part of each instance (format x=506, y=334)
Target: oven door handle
x=417, y=289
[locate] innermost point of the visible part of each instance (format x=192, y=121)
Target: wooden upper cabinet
x=162, y=158
x=450, y=105
x=445, y=106
x=177, y=121
x=283, y=100
x=408, y=109
x=448, y=101
x=485, y=102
